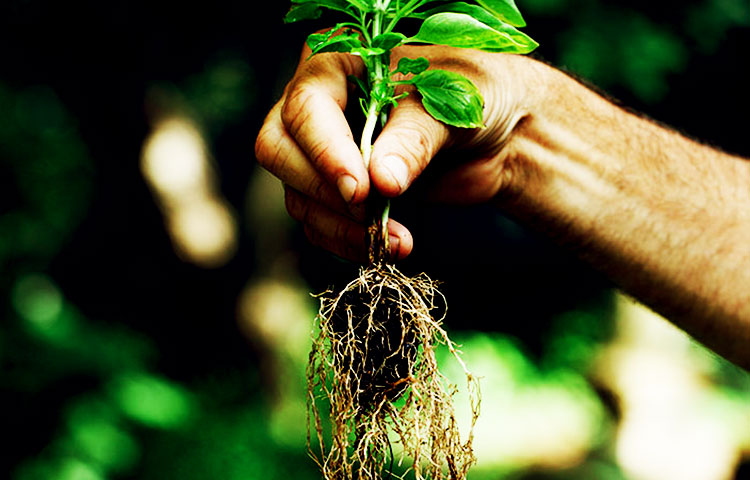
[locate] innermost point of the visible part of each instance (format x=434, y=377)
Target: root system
x=377, y=403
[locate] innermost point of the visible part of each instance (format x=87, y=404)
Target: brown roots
x=373, y=364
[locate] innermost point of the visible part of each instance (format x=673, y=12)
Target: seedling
x=373, y=363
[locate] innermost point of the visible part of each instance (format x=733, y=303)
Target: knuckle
x=418, y=146
x=316, y=188
x=264, y=147
x=299, y=110
x=415, y=135
x=319, y=153
x=269, y=146
x=297, y=107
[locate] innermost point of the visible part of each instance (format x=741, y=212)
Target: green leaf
x=365, y=52
x=358, y=82
x=363, y=5
x=520, y=42
x=465, y=31
x=312, y=9
x=340, y=5
x=307, y=11
x=388, y=41
x=479, y=13
x=451, y=98
x=329, y=42
x=412, y=65
x=505, y=10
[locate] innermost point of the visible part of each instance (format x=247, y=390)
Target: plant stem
x=368, y=131
x=378, y=229
x=403, y=12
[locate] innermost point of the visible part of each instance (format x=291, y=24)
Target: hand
x=578, y=168
x=307, y=142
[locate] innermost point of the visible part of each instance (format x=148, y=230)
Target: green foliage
x=50, y=194
x=708, y=22
x=479, y=13
x=132, y=417
x=506, y=10
x=412, y=65
x=450, y=98
x=463, y=30
x=222, y=92
x=628, y=50
x=486, y=25
x=388, y=41
x=328, y=42
x=67, y=366
x=152, y=401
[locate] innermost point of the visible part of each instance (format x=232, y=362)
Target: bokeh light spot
x=176, y=165
x=153, y=401
x=174, y=160
x=74, y=469
x=37, y=299
x=96, y=436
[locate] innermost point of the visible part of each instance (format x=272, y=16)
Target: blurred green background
x=155, y=296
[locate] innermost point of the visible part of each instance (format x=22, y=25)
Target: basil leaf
x=365, y=52
x=363, y=5
x=387, y=41
x=358, y=82
x=311, y=9
x=521, y=43
x=479, y=13
x=341, y=5
x=307, y=11
x=462, y=30
x=412, y=65
x=451, y=98
x=328, y=42
x=505, y=10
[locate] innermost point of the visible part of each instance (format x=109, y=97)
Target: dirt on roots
x=376, y=400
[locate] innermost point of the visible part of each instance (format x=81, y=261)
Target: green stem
x=384, y=224
x=406, y=10
x=368, y=131
x=378, y=230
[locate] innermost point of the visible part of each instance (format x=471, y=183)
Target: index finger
x=313, y=114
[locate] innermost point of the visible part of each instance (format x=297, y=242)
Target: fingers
x=410, y=139
x=340, y=234
x=312, y=113
x=280, y=154
x=306, y=141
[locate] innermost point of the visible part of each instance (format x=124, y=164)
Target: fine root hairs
x=373, y=367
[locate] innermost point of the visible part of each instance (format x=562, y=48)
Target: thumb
x=409, y=140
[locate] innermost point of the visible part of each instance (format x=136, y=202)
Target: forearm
x=666, y=218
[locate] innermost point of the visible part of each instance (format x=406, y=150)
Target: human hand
x=578, y=168
x=307, y=142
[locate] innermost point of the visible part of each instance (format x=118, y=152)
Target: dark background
x=76, y=81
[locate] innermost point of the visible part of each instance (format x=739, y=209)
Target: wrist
x=557, y=162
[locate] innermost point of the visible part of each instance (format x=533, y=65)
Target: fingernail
x=394, y=243
x=347, y=186
x=397, y=169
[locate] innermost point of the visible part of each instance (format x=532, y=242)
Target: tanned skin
x=665, y=217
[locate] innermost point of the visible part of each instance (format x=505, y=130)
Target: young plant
x=374, y=358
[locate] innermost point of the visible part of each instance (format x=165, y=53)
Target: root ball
x=373, y=364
